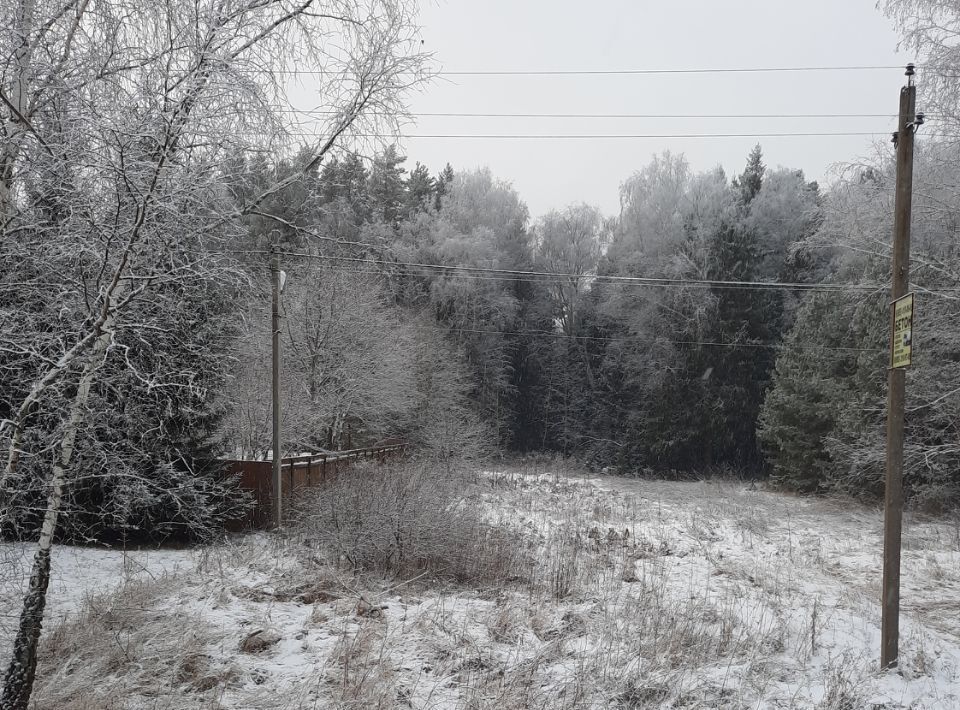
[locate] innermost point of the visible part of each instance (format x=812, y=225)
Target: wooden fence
x=297, y=472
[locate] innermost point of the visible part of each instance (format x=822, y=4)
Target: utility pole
x=275, y=331
x=896, y=378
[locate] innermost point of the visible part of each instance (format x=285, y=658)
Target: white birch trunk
x=18, y=681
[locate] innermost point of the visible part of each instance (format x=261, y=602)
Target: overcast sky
x=511, y=35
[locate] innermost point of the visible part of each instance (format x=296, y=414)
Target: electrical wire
x=539, y=276
x=550, y=277
x=599, y=72
x=644, y=72
x=443, y=114
x=447, y=329
x=630, y=338
x=514, y=275
x=573, y=136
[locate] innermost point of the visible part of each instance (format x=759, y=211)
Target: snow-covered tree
x=117, y=117
x=750, y=181
x=387, y=187
x=827, y=406
x=569, y=244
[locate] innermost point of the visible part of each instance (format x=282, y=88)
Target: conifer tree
x=444, y=181
x=420, y=188
x=821, y=385
x=750, y=181
x=386, y=187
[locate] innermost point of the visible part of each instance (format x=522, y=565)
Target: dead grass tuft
x=122, y=646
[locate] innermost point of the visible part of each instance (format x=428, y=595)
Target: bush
x=409, y=518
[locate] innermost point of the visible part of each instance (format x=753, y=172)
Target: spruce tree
x=386, y=187
x=444, y=180
x=420, y=188
x=750, y=181
x=746, y=328
x=146, y=466
x=826, y=378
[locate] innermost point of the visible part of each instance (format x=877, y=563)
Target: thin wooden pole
x=896, y=382
x=275, y=343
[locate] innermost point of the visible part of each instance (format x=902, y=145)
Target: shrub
x=410, y=518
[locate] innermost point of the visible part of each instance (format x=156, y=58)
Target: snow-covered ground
x=641, y=594
x=77, y=574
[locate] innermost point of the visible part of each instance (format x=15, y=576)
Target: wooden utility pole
x=896, y=379
x=275, y=331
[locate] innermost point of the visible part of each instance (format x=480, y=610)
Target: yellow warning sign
x=901, y=346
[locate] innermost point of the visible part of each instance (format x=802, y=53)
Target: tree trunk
x=16, y=90
x=18, y=681
x=336, y=434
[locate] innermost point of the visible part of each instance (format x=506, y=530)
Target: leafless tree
x=345, y=354
x=931, y=29
x=355, y=368
x=570, y=244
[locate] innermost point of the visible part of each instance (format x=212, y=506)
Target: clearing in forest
x=541, y=590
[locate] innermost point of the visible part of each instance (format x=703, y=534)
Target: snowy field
x=639, y=594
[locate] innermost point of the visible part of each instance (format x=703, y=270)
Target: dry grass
x=583, y=599
x=124, y=650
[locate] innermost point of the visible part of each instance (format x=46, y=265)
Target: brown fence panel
x=296, y=473
x=257, y=478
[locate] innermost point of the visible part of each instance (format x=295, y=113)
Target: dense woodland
x=404, y=315
x=718, y=323
x=673, y=373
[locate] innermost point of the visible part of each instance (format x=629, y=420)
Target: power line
x=573, y=136
x=643, y=72
x=445, y=114
x=598, y=72
x=539, y=276
x=825, y=288
x=629, y=338
x=620, y=136
x=446, y=329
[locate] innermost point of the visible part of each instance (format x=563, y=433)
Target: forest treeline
x=717, y=324
x=617, y=340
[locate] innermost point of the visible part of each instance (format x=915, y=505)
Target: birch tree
x=931, y=30
x=569, y=244
x=116, y=116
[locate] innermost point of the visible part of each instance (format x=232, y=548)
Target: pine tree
x=750, y=181
x=420, y=188
x=344, y=200
x=444, y=180
x=386, y=187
